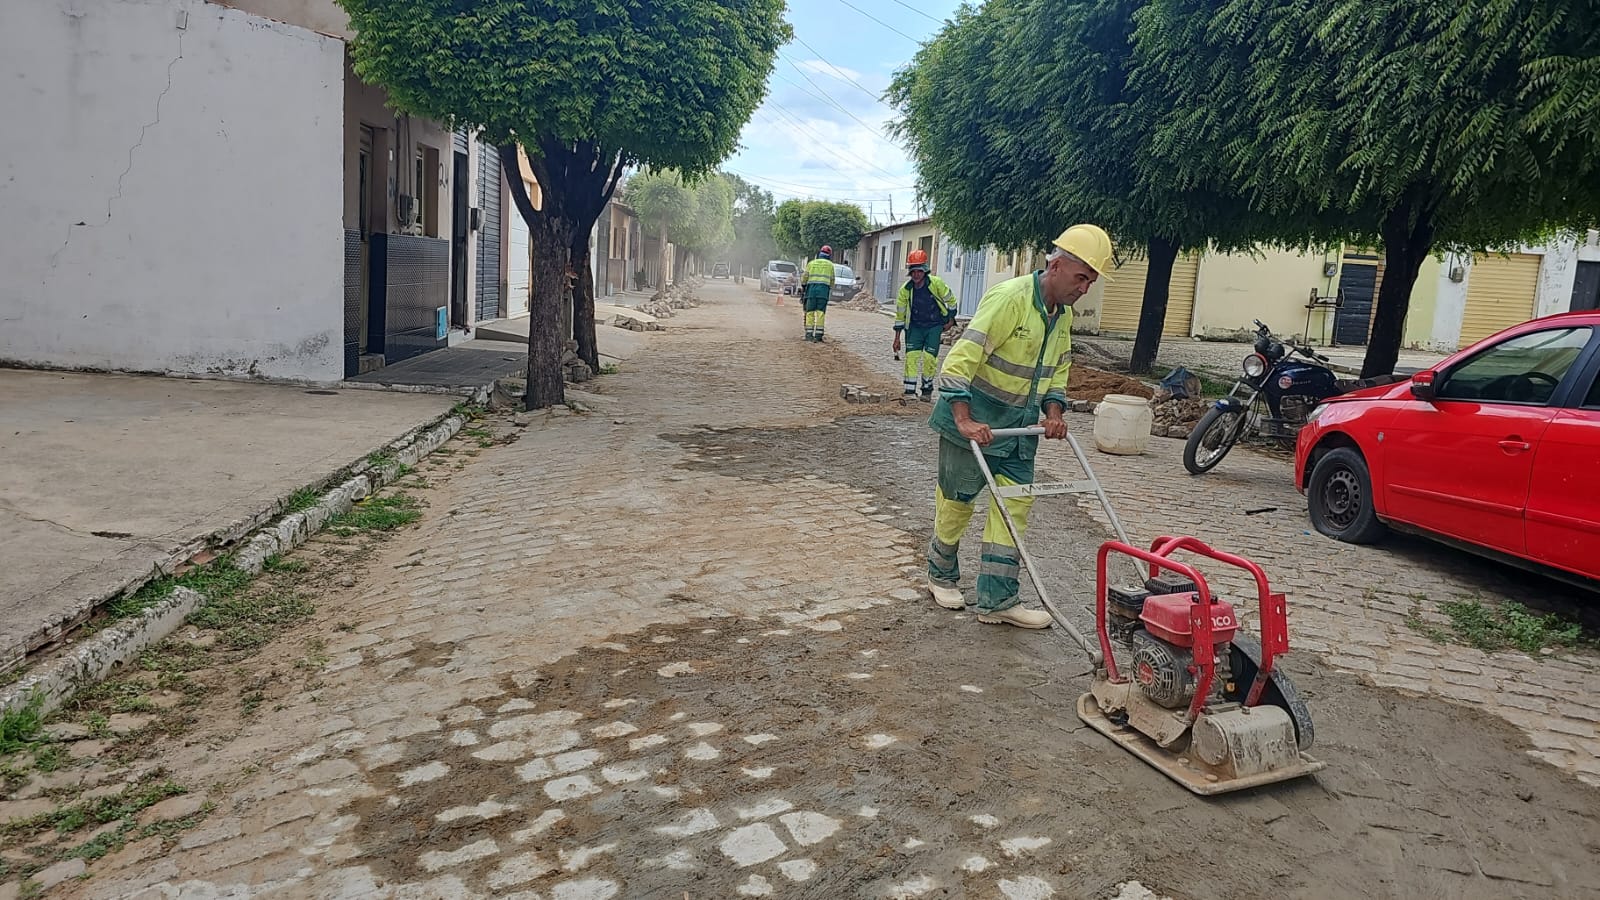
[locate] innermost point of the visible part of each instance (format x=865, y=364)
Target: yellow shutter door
x=1124, y=296
x=1500, y=293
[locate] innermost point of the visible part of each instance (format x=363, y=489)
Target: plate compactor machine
x=1195, y=696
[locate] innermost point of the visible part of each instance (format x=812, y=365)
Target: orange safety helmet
x=826, y=250
x=917, y=260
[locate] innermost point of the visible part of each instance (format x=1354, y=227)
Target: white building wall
x=171, y=190
x=1558, y=273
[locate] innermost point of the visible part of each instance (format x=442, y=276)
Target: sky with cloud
x=822, y=131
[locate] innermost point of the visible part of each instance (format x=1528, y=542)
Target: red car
x=1495, y=450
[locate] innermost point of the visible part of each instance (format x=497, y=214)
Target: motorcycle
x=1272, y=399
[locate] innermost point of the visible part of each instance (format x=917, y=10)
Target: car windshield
x=1525, y=369
x=782, y=267
x=842, y=271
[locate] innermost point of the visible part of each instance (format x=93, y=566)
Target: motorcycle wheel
x=1218, y=430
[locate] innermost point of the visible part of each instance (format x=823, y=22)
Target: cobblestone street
x=677, y=647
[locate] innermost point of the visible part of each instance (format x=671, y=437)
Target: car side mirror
x=1422, y=385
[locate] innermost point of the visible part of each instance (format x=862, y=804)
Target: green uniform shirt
x=1012, y=360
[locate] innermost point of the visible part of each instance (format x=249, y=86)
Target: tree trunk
x=552, y=242
x=583, y=327
x=661, y=263
x=1153, y=308
x=1407, y=240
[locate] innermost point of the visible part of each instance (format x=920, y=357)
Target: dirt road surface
x=677, y=647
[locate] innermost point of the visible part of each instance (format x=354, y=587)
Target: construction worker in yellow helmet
x=818, y=286
x=923, y=310
x=1007, y=369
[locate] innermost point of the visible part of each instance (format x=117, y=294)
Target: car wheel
x=1340, y=494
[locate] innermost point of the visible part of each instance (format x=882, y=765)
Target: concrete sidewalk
x=107, y=476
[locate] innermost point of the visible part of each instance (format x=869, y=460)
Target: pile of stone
x=858, y=393
x=631, y=324
x=863, y=301
x=573, y=368
x=1175, y=411
x=664, y=304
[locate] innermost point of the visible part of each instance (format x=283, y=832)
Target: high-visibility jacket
x=1011, y=361
x=819, y=271
x=944, y=300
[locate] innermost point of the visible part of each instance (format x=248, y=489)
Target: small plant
x=278, y=563
x=384, y=513
x=132, y=800
x=1509, y=625
x=610, y=369
x=468, y=411
x=303, y=499
x=215, y=579
x=380, y=459
x=20, y=729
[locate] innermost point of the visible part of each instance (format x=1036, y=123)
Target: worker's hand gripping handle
x=1035, y=431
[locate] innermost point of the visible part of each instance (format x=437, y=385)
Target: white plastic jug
x=1122, y=425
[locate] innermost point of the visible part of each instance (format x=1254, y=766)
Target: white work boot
x=1018, y=616
x=947, y=597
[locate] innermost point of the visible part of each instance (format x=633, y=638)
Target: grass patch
x=301, y=500
x=132, y=800
x=249, y=621
x=21, y=729
x=1507, y=626
x=610, y=369
x=468, y=411
x=278, y=563
x=378, y=514
x=216, y=579
x=380, y=459
x=1213, y=387
x=123, y=695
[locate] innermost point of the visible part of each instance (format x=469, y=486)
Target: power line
x=919, y=12
x=823, y=143
x=837, y=71
x=881, y=22
x=879, y=192
x=829, y=98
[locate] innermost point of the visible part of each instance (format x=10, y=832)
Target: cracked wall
x=171, y=190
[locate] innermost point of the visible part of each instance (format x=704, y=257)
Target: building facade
x=224, y=197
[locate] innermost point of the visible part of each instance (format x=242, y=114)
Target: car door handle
x=1512, y=445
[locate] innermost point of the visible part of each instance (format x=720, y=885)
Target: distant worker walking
x=925, y=308
x=1007, y=368
x=818, y=286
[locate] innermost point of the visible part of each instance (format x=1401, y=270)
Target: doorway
x=364, y=225
x=459, y=226
x=1586, y=289
x=1358, y=286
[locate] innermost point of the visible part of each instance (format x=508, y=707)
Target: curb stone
x=56, y=681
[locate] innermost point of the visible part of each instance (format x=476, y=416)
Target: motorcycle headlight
x=1255, y=365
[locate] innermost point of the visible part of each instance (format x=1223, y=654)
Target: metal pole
x=1016, y=537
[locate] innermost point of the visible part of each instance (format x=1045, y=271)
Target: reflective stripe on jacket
x=819, y=271
x=943, y=298
x=1010, y=362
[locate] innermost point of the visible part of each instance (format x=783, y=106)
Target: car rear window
x=842, y=272
x=782, y=267
x=1524, y=369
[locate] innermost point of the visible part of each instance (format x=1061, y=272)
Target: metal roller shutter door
x=1124, y=296
x=1500, y=293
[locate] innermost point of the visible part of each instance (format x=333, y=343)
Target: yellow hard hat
x=1091, y=244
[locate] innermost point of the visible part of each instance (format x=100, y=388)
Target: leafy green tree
x=1414, y=126
x=710, y=229
x=753, y=215
x=1022, y=120
x=838, y=225
x=587, y=90
x=664, y=204
x=786, y=230
x=801, y=227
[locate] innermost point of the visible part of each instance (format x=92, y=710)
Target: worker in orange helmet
x=924, y=310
